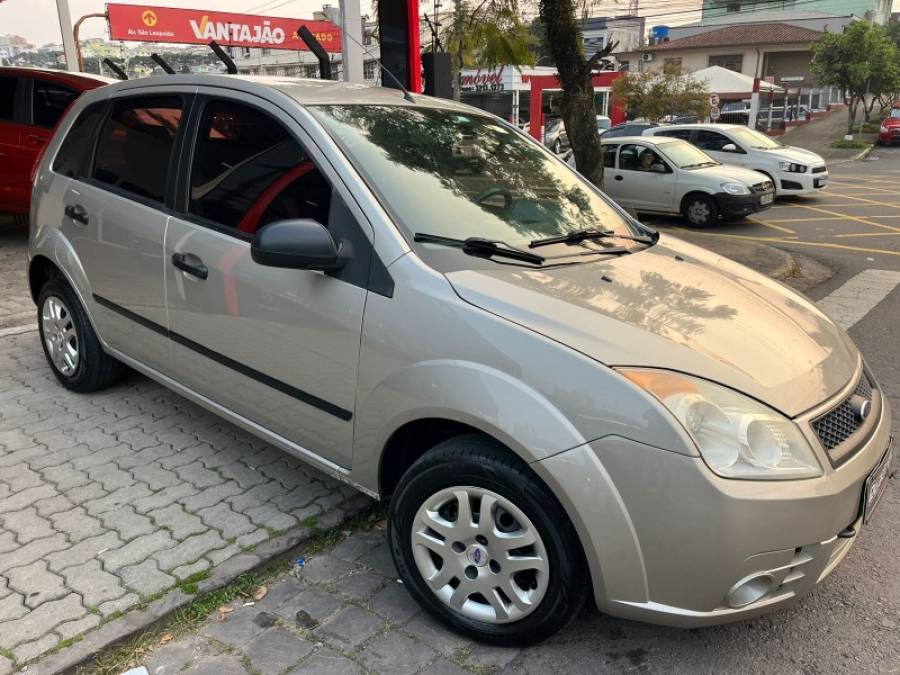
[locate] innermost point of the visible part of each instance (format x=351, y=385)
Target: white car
x=794, y=171
x=669, y=176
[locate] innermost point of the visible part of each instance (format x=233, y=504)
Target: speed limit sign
x=714, y=113
x=714, y=100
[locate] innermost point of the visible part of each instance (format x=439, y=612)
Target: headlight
x=792, y=167
x=737, y=436
x=735, y=188
x=883, y=129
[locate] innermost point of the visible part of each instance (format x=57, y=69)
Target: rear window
x=8, y=97
x=135, y=145
x=49, y=101
x=73, y=153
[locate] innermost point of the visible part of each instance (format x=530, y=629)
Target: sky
x=36, y=20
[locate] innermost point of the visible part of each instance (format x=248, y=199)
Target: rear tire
x=70, y=343
x=700, y=210
x=472, y=586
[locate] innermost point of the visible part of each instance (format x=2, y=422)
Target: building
x=13, y=45
x=728, y=10
x=627, y=31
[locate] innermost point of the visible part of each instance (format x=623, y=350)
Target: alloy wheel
x=480, y=554
x=698, y=212
x=60, y=335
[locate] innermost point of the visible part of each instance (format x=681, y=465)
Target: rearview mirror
x=298, y=244
x=729, y=147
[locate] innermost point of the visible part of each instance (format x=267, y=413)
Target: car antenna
x=223, y=57
x=161, y=62
x=406, y=95
x=114, y=67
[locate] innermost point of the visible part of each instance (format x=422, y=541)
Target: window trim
x=166, y=205
x=87, y=162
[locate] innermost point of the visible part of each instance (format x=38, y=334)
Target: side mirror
x=729, y=147
x=298, y=244
x=657, y=168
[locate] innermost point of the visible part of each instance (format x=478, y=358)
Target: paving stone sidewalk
x=109, y=500
x=16, y=307
x=343, y=613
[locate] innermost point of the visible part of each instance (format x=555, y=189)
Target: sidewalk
x=818, y=135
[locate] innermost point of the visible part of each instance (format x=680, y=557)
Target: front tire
x=484, y=546
x=700, y=210
x=70, y=343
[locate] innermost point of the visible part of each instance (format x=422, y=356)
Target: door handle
x=197, y=269
x=34, y=139
x=619, y=177
x=77, y=213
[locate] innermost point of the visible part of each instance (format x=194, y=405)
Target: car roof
x=80, y=80
x=701, y=125
x=304, y=91
x=649, y=140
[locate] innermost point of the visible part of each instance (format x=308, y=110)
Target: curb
x=857, y=157
x=139, y=621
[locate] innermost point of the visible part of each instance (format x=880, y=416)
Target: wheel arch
x=40, y=270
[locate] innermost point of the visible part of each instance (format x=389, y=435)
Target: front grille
x=837, y=425
x=765, y=186
x=819, y=169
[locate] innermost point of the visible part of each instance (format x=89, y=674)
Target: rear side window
x=8, y=87
x=134, y=149
x=683, y=134
x=249, y=171
x=49, y=101
x=609, y=155
x=73, y=153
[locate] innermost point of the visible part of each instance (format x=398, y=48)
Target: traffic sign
x=714, y=100
x=714, y=113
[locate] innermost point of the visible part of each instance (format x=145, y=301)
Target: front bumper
x=892, y=135
x=801, y=183
x=738, y=206
x=667, y=540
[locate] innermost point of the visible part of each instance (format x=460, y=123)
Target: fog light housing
x=750, y=589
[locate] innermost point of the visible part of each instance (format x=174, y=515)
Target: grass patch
x=310, y=522
x=850, y=145
x=189, y=583
x=192, y=615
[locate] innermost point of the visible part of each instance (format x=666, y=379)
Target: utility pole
x=68, y=39
x=351, y=49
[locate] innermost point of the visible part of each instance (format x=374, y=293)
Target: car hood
x=890, y=122
x=724, y=172
x=799, y=155
x=678, y=306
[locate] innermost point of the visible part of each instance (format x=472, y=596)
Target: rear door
x=280, y=347
x=116, y=220
x=15, y=169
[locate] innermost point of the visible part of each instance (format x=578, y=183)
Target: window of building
x=624, y=66
x=8, y=87
x=731, y=61
x=672, y=65
x=245, y=52
x=135, y=145
x=369, y=70
x=49, y=101
x=733, y=7
x=71, y=158
x=249, y=171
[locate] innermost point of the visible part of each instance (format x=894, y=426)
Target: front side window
x=712, y=140
x=635, y=157
x=460, y=174
x=72, y=155
x=49, y=101
x=249, y=171
x=8, y=86
x=134, y=150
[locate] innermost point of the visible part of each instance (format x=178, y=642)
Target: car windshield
x=685, y=156
x=754, y=139
x=458, y=174
x=895, y=113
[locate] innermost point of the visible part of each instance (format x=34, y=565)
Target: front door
x=643, y=179
x=278, y=346
x=115, y=218
x=713, y=144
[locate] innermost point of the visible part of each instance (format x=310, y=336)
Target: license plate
x=820, y=182
x=765, y=199
x=876, y=484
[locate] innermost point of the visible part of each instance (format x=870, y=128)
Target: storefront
x=506, y=91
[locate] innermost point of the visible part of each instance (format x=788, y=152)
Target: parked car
x=630, y=129
x=31, y=103
x=416, y=299
x=654, y=174
x=562, y=142
x=793, y=171
x=889, y=132
x=555, y=136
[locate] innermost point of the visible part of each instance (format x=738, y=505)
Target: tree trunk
x=851, y=117
x=578, y=111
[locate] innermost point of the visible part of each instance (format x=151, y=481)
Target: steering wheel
x=493, y=192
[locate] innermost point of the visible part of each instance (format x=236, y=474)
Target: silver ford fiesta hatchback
x=419, y=300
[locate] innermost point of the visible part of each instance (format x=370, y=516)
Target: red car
x=31, y=103
x=890, y=127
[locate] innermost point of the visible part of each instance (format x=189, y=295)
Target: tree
x=656, y=94
x=862, y=61
x=566, y=46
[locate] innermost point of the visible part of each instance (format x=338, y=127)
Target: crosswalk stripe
x=848, y=304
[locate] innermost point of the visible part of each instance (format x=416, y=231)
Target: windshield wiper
x=481, y=246
x=579, y=236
